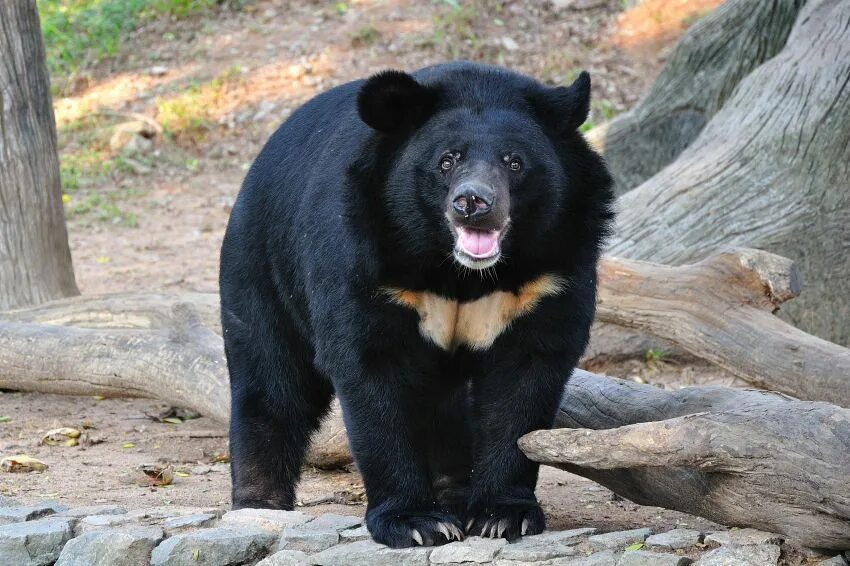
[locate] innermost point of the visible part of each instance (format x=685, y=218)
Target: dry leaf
x=155, y=475
x=22, y=463
x=128, y=445
x=172, y=420
x=61, y=437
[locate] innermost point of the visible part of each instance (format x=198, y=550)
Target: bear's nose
x=472, y=201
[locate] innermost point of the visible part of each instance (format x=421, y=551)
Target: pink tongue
x=477, y=243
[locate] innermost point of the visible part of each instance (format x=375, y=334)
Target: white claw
x=500, y=530
x=469, y=524
x=417, y=536
x=524, y=526
x=443, y=529
x=457, y=532
x=488, y=529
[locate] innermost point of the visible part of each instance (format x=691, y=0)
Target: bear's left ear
x=392, y=102
x=567, y=107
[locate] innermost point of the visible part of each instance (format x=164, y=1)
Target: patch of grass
x=455, y=26
x=366, y=35
x=189, y=114
x=654, y=356
x=80, y=33
x=100, y=207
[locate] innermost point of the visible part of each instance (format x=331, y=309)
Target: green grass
x=80, y=33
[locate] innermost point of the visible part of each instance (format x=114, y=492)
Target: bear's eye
x=447, y=162
x=513, y=163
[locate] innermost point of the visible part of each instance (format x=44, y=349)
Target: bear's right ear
x=392, y=102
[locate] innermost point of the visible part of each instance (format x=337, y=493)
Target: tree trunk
x=35, y=261
x=700, y=75
x=737, y=457
x=769, y=171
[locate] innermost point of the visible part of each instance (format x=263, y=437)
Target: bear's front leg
x=385, y=405
x=515, y=397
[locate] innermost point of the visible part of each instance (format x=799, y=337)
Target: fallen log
x=737, y=457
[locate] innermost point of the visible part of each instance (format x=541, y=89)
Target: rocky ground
x=110, y=535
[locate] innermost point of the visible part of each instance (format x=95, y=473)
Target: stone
x=19, y=513
x=834, y=561
x=34, y=543
x=675, y=539
x=536, y=548
x=307, y=539
x=741, y=555
x=110, y=547
x=604, y=558
x=351, y=535
x=284, y=558
x=645, y=558
x=474, y=549
x=570, y=537
x=151, y=515
x=371, y=553
x=99, y=522
x=336, y=522
x=184, y=523
x=744, y=537
x=271, y=520
x=214, y=547
x=80, y=512
x=618, y=540
x=128, y=136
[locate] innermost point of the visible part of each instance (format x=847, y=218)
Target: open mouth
x=477, y=249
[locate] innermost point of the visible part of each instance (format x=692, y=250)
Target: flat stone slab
x=306, y=539
x=675, y=539
x=106, y=547
x=271, y=520
x=737, y=555
x=176, y=525
x=646, y=558
x=34, y=543
x=371, y=553
x=214, y=547
x=284, y=558
x=80, y=512
x=474, y=549
x=538, y=548
x=352, y=535
x=334, y=521
x=744, y=537
x=604, y=558
x=19, y=513
x=100, y=522
x=618, y=540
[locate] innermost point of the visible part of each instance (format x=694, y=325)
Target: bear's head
x=486, y=166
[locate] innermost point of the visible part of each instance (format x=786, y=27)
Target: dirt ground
x=154, y=219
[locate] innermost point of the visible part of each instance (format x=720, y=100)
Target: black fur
x=331, y=211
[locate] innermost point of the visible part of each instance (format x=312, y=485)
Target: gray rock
x=18, y=513
x=619, y=539
x=737, y=555
x=834, y=561
x=213, y=547
x=645, y=558
x=744, y=537
x=100, y=522
x=308, y=540
x=271, y=520
x=106, y=547
x=151, y=515
x=536, y=549
x=34, y=543
x=371, y=553
x=334, y=521
x=80, y=512
x=351, y=535
x=675, y=539
x=604, y=558
x=176, y=525
x=284, y=558
x=474, y=549
x=572, y=536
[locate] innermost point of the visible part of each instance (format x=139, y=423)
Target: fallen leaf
x=172, y=420
x=22, y=463
x=155, y=475
x=182, y=474
x=102, y=259
x=196, y=554
x=98, y=397
x=128, y=445
x=64, y=436
x=5, y=419
x=635, y=546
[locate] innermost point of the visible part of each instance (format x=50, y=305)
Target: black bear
x=424, y=247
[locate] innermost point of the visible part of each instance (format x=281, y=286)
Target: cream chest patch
x=476, y=324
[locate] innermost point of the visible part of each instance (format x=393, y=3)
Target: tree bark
x=701, y=74
x=769, y=171
x=737, y=457
x=35, y=260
